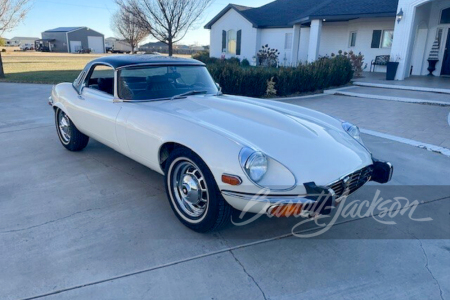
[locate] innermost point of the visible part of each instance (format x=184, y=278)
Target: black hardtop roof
x=119, y=61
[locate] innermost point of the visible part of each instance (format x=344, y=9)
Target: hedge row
x=252, y=81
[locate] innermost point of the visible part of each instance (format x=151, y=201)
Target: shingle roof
x=64, y=29
x=357, y=8
x=284, y=13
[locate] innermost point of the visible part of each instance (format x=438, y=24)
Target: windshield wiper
x=190, y=93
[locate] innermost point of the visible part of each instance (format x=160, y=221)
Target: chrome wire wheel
x=189, y=189
x=64, y=127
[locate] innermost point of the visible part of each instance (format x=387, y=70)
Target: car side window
x=77, y=81
x=101, y=78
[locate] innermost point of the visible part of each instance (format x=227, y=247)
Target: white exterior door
x=75, y=46
x=96, y=44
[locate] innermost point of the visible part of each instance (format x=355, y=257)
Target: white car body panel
x=310, y=144
x=302, y=145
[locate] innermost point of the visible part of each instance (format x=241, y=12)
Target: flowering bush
x=268, y=57
x=357, y=61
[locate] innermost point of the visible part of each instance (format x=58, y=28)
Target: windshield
x=160, y=82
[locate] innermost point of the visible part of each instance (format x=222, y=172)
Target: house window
x=382, y=38
x=352, y=42
x=288, y=41
x=445, y=16
x=388, y=38
x=231, y=44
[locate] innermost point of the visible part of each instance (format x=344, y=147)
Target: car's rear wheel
x=193, y=192
x=71, y=138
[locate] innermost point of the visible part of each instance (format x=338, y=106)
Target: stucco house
x=304, y=30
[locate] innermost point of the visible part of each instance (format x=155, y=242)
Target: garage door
x=96, y=44
x=75, y=46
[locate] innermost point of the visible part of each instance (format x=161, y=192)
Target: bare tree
x=167, y=20
x=12, y=12
x=125, y=26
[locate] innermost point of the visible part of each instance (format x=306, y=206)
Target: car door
x=95, y=111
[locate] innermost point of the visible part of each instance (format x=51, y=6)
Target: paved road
x=96, y=225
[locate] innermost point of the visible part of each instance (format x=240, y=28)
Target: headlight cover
x=256, y=166
x=266, y=172
x=353, y=131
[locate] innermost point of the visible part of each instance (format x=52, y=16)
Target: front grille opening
x=356, y=180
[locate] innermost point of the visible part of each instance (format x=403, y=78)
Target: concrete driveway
x=97, y=225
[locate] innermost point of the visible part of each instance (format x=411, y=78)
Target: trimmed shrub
x=357, y=61
x=234, y=61
x=203, y=56
x=252, y=81
x=245, y=63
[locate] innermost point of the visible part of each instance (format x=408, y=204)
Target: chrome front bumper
x=318, y=200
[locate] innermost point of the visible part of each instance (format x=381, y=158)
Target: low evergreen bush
x=252, y=81
x=245, y=63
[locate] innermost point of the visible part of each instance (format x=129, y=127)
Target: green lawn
x=43, y=68
x=51, y=68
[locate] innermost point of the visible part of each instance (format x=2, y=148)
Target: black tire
x=75, y=140
x=217, y=212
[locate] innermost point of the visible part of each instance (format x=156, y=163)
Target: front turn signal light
x=231, y=179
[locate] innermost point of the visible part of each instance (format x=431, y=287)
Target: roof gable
x=238, y=8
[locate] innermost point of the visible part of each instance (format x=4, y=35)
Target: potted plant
x=392, y=67
x=433, y=58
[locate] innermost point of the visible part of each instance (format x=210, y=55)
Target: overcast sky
x=48, y=14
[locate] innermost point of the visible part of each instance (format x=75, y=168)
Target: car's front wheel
x=71, y=138
x=193, y=192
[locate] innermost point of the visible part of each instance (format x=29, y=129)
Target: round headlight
x=353, y=131
x=256, y=166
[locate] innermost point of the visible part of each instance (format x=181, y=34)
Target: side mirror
x=219, y=87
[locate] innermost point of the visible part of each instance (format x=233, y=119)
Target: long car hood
x=312, y=145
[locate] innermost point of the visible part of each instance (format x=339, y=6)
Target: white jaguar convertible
x=217, y=152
